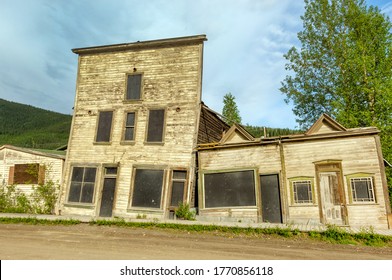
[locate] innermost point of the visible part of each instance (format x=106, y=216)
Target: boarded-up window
x=129, y=134
x=147, y=188
x=302, y=191
x=178, y=187
x=31, y=173
x=156, y=126
x=230, y=189
x=362, y=189
x=82, y=184
x=104, y=126
x=134, y=87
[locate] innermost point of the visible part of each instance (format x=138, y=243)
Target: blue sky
x=243, y=54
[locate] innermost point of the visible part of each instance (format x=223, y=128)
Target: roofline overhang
x=292, y=138
x=33, y=152
x=189, y=40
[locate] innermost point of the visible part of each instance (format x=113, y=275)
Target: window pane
x=130, y=119
x=177, y=193
x=302, y=192
x=74, y=192
x=155, y=126
x=82, y=184
x=147, y=188
x=362, y=189
x=104, y=126
x=77, y=174
x=87, y=193
x=134, y=86
x=129, y=135
x=111, y=170
x=230, y=189
x=89, y=174
x=181, y=175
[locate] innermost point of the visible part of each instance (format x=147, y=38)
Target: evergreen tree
x=230, y=111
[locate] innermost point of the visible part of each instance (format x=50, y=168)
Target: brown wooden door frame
x=332, y=166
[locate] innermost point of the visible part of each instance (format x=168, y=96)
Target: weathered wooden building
x=142, y=141
x=26, y=168
x=329, y=175
x=138, y=118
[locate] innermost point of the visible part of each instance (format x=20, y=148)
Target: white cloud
x=243, y=54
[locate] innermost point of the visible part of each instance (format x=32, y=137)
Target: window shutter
x=11, y=175
x=41, y=175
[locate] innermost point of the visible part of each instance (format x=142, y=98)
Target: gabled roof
x=43, y=153
x=236, y=134
x=325, y=124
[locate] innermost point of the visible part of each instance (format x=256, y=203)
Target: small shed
x=25, y=168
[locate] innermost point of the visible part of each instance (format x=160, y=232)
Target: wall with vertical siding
x=171, y=81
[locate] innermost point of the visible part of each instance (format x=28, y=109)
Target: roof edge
x=142, y=44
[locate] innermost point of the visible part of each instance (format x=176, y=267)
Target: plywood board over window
x=134, y=86
x=31, y=173
x=147, y=188
x=104, y=128
x=156, y=123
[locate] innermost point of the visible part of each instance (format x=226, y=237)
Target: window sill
x=154, y=143
x=145, y=210
x=127, y=143
x=363, y=204
x=102, y=143
x=304, y=205
x=79, y=205
x=131, y=101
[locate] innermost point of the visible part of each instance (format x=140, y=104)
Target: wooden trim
x=190, y=40
x=383, y=175
x=141, y=93
x=11, y=173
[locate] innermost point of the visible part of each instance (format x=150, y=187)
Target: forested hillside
x=27, y=126
x=258, y=131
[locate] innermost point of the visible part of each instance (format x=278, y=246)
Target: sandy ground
x=86, y=242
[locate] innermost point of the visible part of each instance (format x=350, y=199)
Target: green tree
x=343, y=67
x=230, y=111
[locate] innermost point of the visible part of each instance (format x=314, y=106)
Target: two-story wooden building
x=138, y=118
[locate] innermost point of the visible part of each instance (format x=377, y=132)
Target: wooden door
x=330, y=200
x=270, y=198
x=109, y=187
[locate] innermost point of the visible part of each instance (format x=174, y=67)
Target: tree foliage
x=343, y=67
x=230, y=111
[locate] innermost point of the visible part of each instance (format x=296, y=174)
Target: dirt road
x=44, y=242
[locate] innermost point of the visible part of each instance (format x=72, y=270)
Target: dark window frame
x=83, y=183
x=252, y=195
x=296, y=185
x=128, y=126
x=371, y=198
x=107, y=137
x=128, y=96
x=174, y=180
x=133, y=204
x=149, y=130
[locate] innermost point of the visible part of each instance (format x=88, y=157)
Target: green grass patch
x=333, y=234
x=35, y=221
